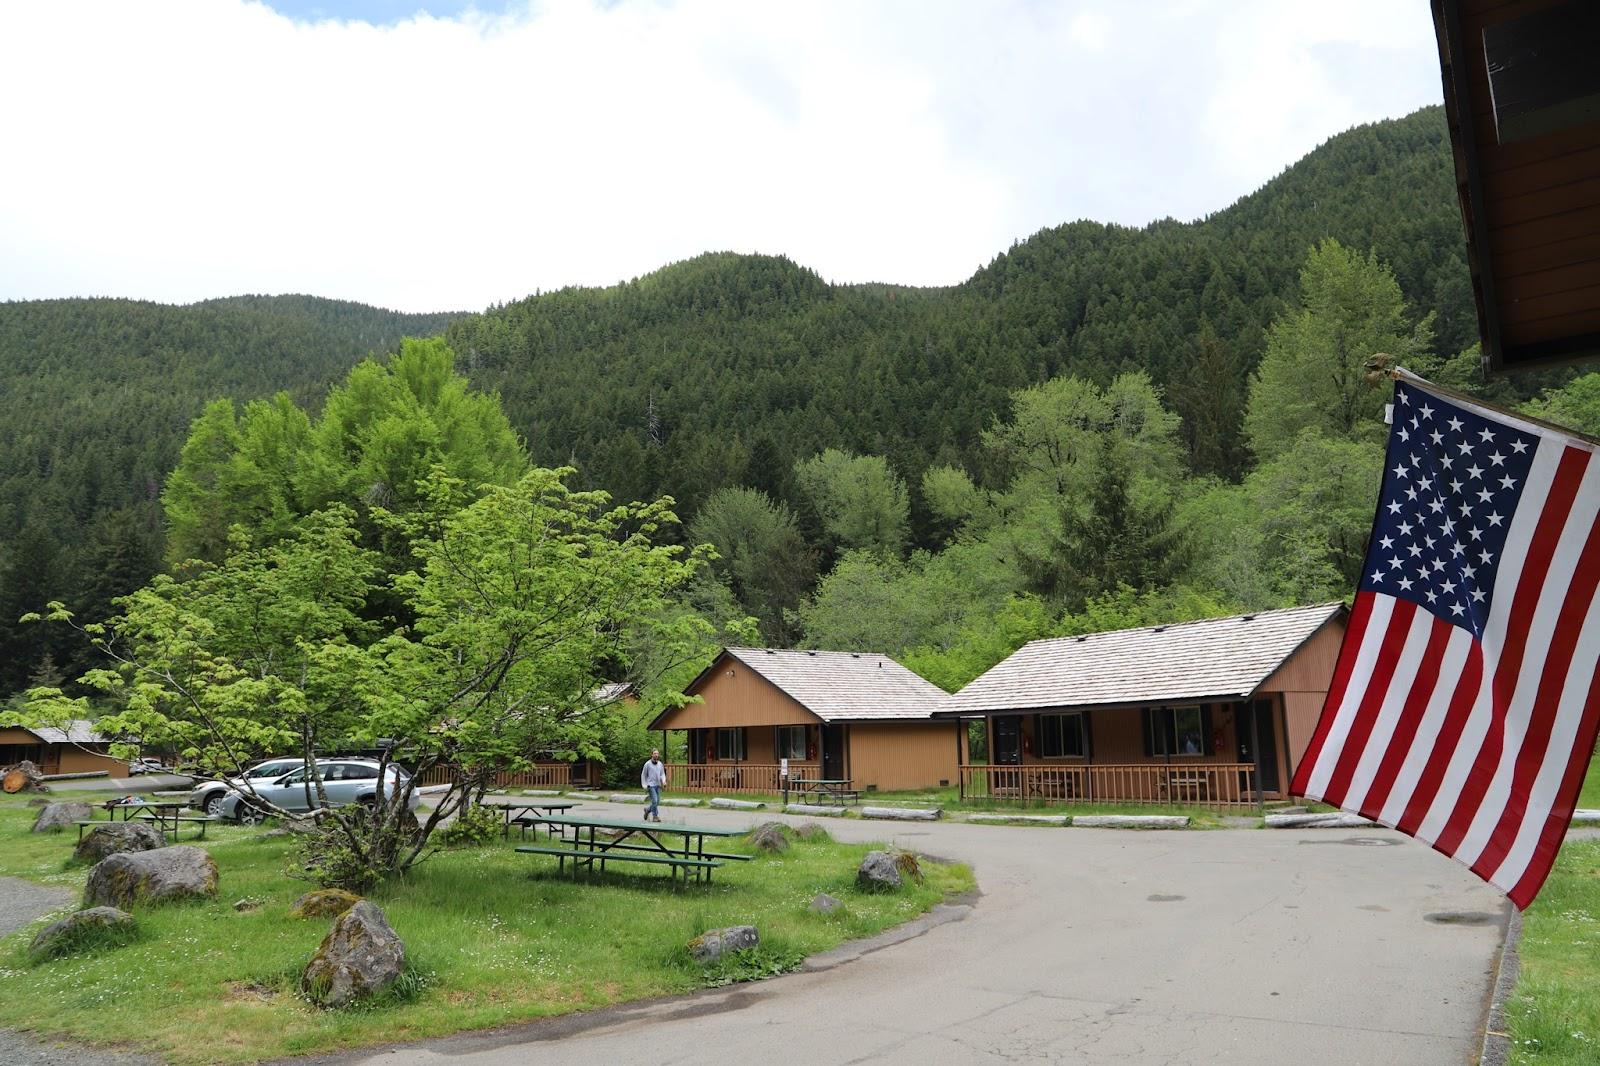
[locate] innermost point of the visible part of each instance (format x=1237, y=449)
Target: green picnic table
x=165, y=816
x=654, y=846
x=520, y=812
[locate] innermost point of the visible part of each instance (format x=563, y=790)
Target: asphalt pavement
x=1331, y=947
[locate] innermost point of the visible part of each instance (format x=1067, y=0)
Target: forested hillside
x=703, y=373
x=96, y=397
x=878, y=465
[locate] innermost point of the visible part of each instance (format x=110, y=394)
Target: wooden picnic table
x=587, y=847
x=835, y=787
x=519, y=811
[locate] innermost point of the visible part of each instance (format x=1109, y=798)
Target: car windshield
x=269, y=769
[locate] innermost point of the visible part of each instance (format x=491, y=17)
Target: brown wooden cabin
x=585, y=773
x=77, y=749
x=837, y=715
x=1213, y=713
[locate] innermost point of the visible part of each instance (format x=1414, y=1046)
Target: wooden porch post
x=1088, y=763
x=1255, y=747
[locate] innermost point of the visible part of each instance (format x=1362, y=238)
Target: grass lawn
x=487, y=944
x=1554, y=1014
x=1589, y=797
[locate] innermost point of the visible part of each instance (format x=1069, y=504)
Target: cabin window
x=730, y=744
x=1175, y=731
x=790, y=742
x=1060, y=735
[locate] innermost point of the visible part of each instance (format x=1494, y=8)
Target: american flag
x=1465, y=703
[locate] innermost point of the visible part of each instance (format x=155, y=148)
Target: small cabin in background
x=842, y=716
x=75, y=749
x=1215, y=712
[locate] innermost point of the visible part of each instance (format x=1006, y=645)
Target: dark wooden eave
x=1522, y=97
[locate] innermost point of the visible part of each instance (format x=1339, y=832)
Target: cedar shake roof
x=612, y=691
x=842, y=686
x=1187, y=662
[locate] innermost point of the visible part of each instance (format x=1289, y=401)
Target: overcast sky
x=181, y=149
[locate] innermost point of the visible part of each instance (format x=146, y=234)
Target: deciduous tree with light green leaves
x=1314, y=372
x=863, y=504
x=524, y=601
x=379, y=434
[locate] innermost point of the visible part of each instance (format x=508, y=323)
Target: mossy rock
x=323, y=903
x=82, y=932
x=361, y=957
x=166, y=875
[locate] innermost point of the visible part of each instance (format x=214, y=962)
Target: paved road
x=1093, y=946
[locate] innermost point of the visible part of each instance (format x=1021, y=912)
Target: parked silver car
x=207, y=796
x=344, y=781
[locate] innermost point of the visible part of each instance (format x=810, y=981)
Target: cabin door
x=1255, y=720
x=1008, y=740
x=833, y=752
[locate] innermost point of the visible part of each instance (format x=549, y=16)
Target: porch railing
x=733, y=776
x=554, y=775
x=1193, y=784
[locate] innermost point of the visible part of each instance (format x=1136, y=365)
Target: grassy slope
x=488, y=945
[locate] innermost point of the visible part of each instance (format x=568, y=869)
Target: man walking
x=654, y=778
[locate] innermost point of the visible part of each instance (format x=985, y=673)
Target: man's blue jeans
x=653, y=808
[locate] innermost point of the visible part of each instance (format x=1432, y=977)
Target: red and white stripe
x=1479, y=746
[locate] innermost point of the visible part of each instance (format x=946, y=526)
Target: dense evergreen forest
x=1102, y=424
x=96, y=397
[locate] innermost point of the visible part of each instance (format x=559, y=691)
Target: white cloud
x=179, y=149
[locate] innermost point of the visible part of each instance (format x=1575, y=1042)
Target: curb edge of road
x=952, y=910
x=1495, y=1049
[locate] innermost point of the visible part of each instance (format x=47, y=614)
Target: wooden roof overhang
x=1522, y=97
x=1185, y=700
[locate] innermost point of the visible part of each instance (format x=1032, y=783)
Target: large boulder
x=360, y=957
x=711, y=945
x=59, y=816
x=323, y=903
x=165, y=875
x=769, y=837
x=81, y=931
x=117, y=838
x=878, y=872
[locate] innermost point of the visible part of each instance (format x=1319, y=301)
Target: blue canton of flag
x=1451, y=483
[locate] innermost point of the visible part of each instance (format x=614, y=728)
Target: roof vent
x=812, y=654
x=1158, y=629
x=1247, y=618
x=771, y=652
x=855, y=655
x=1081, y=639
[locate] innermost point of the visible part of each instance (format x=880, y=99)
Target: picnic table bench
x=586, y=848
x=589, y=858
x=835, y=788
